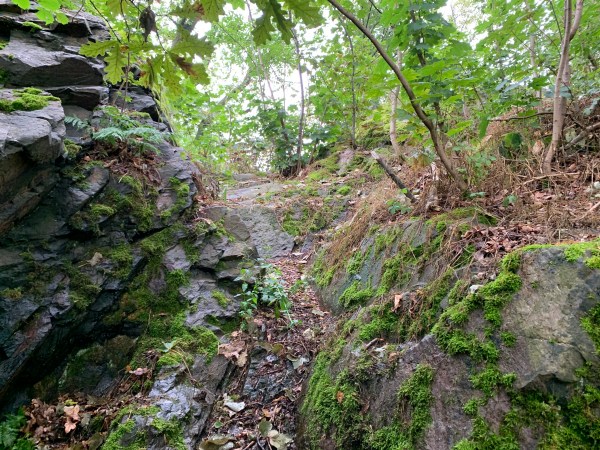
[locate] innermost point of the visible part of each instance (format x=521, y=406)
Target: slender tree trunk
x=301, y=122
x=563, y=78
x=421, y=114
x=353, y=88
x=393, y=119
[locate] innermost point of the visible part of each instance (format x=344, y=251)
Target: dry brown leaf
x=339, y=396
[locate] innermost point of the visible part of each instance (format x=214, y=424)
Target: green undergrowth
x=381, y=320
x=28, y=99
x=124, y=435
x=414, y=416
x=333, y=407
x=11, y=435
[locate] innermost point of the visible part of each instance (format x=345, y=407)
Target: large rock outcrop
x=105, y=260
x=439, y=361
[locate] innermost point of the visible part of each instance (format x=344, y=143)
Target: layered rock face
x=439, y=361
x=104, y=258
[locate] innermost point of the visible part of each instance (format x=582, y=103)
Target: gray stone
x=28, y=63
x=137, y=100
x=176, y=259
x=37, y=133
x=266, y=233
x=87, y=97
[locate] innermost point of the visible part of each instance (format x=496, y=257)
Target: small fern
x=120, y=128
x=77, y=122
x=11, y=436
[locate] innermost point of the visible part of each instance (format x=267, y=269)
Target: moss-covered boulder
x=511, y=364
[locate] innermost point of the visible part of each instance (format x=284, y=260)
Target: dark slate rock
x=87, y=97
x=137, y=100
x=30, y=63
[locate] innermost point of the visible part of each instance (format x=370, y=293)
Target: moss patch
x=355, y=295
x=28, y=99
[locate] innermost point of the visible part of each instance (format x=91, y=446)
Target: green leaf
x=459, y=127
x=45, y=15
x=192, y=45
x=305, y=11
x=51, y=5
x=93, y=49
x=262, y=31
x=62, y=18
x=483, y=125
x=23, y=4
x=213, y=9
x=115, y=61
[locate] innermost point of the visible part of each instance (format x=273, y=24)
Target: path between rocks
x=258, y=409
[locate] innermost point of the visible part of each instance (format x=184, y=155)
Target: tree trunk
x=393, y=120
x=421, y=114
x=302, y=106
x=353, y=88
x=563, y=78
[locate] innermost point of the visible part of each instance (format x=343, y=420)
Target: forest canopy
x=274, y=84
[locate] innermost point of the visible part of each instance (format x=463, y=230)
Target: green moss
x=463, y=213
x=330, y=163
x=83, y=290
x=591, y=325
x=318, y=175
x=331, y=406
x=188, y=342
x=122, y=256
x=99, y=210
x=344, y=190
x=471, y=408
x=227, y=326
x=511, y=262
x=593, y=262
x=182, y=191
x=383, y=322
x=414, y=416
x=496, y=294
x=28, y=99
x=355, y=295
x=221, y=298
x=355, y=263
x=32, y=26
x=290, y=225
x=157, y=244
x=13, y=294
x=490, y=379
x=322, y=276
x=123, y=426
x=508, y=339
x=72, y=148
x=172, y=432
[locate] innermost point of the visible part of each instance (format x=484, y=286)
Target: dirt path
x=273, y=356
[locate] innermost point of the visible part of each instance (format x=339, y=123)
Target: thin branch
x=425, y=119
x=581, y=136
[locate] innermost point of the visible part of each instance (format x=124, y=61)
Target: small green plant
x=11, y=437
x=121, y=129
x=395, y=206
x=266, y=289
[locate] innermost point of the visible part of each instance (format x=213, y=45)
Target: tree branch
x=422, y=115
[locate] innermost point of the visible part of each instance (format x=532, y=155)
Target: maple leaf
x=213, y=9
